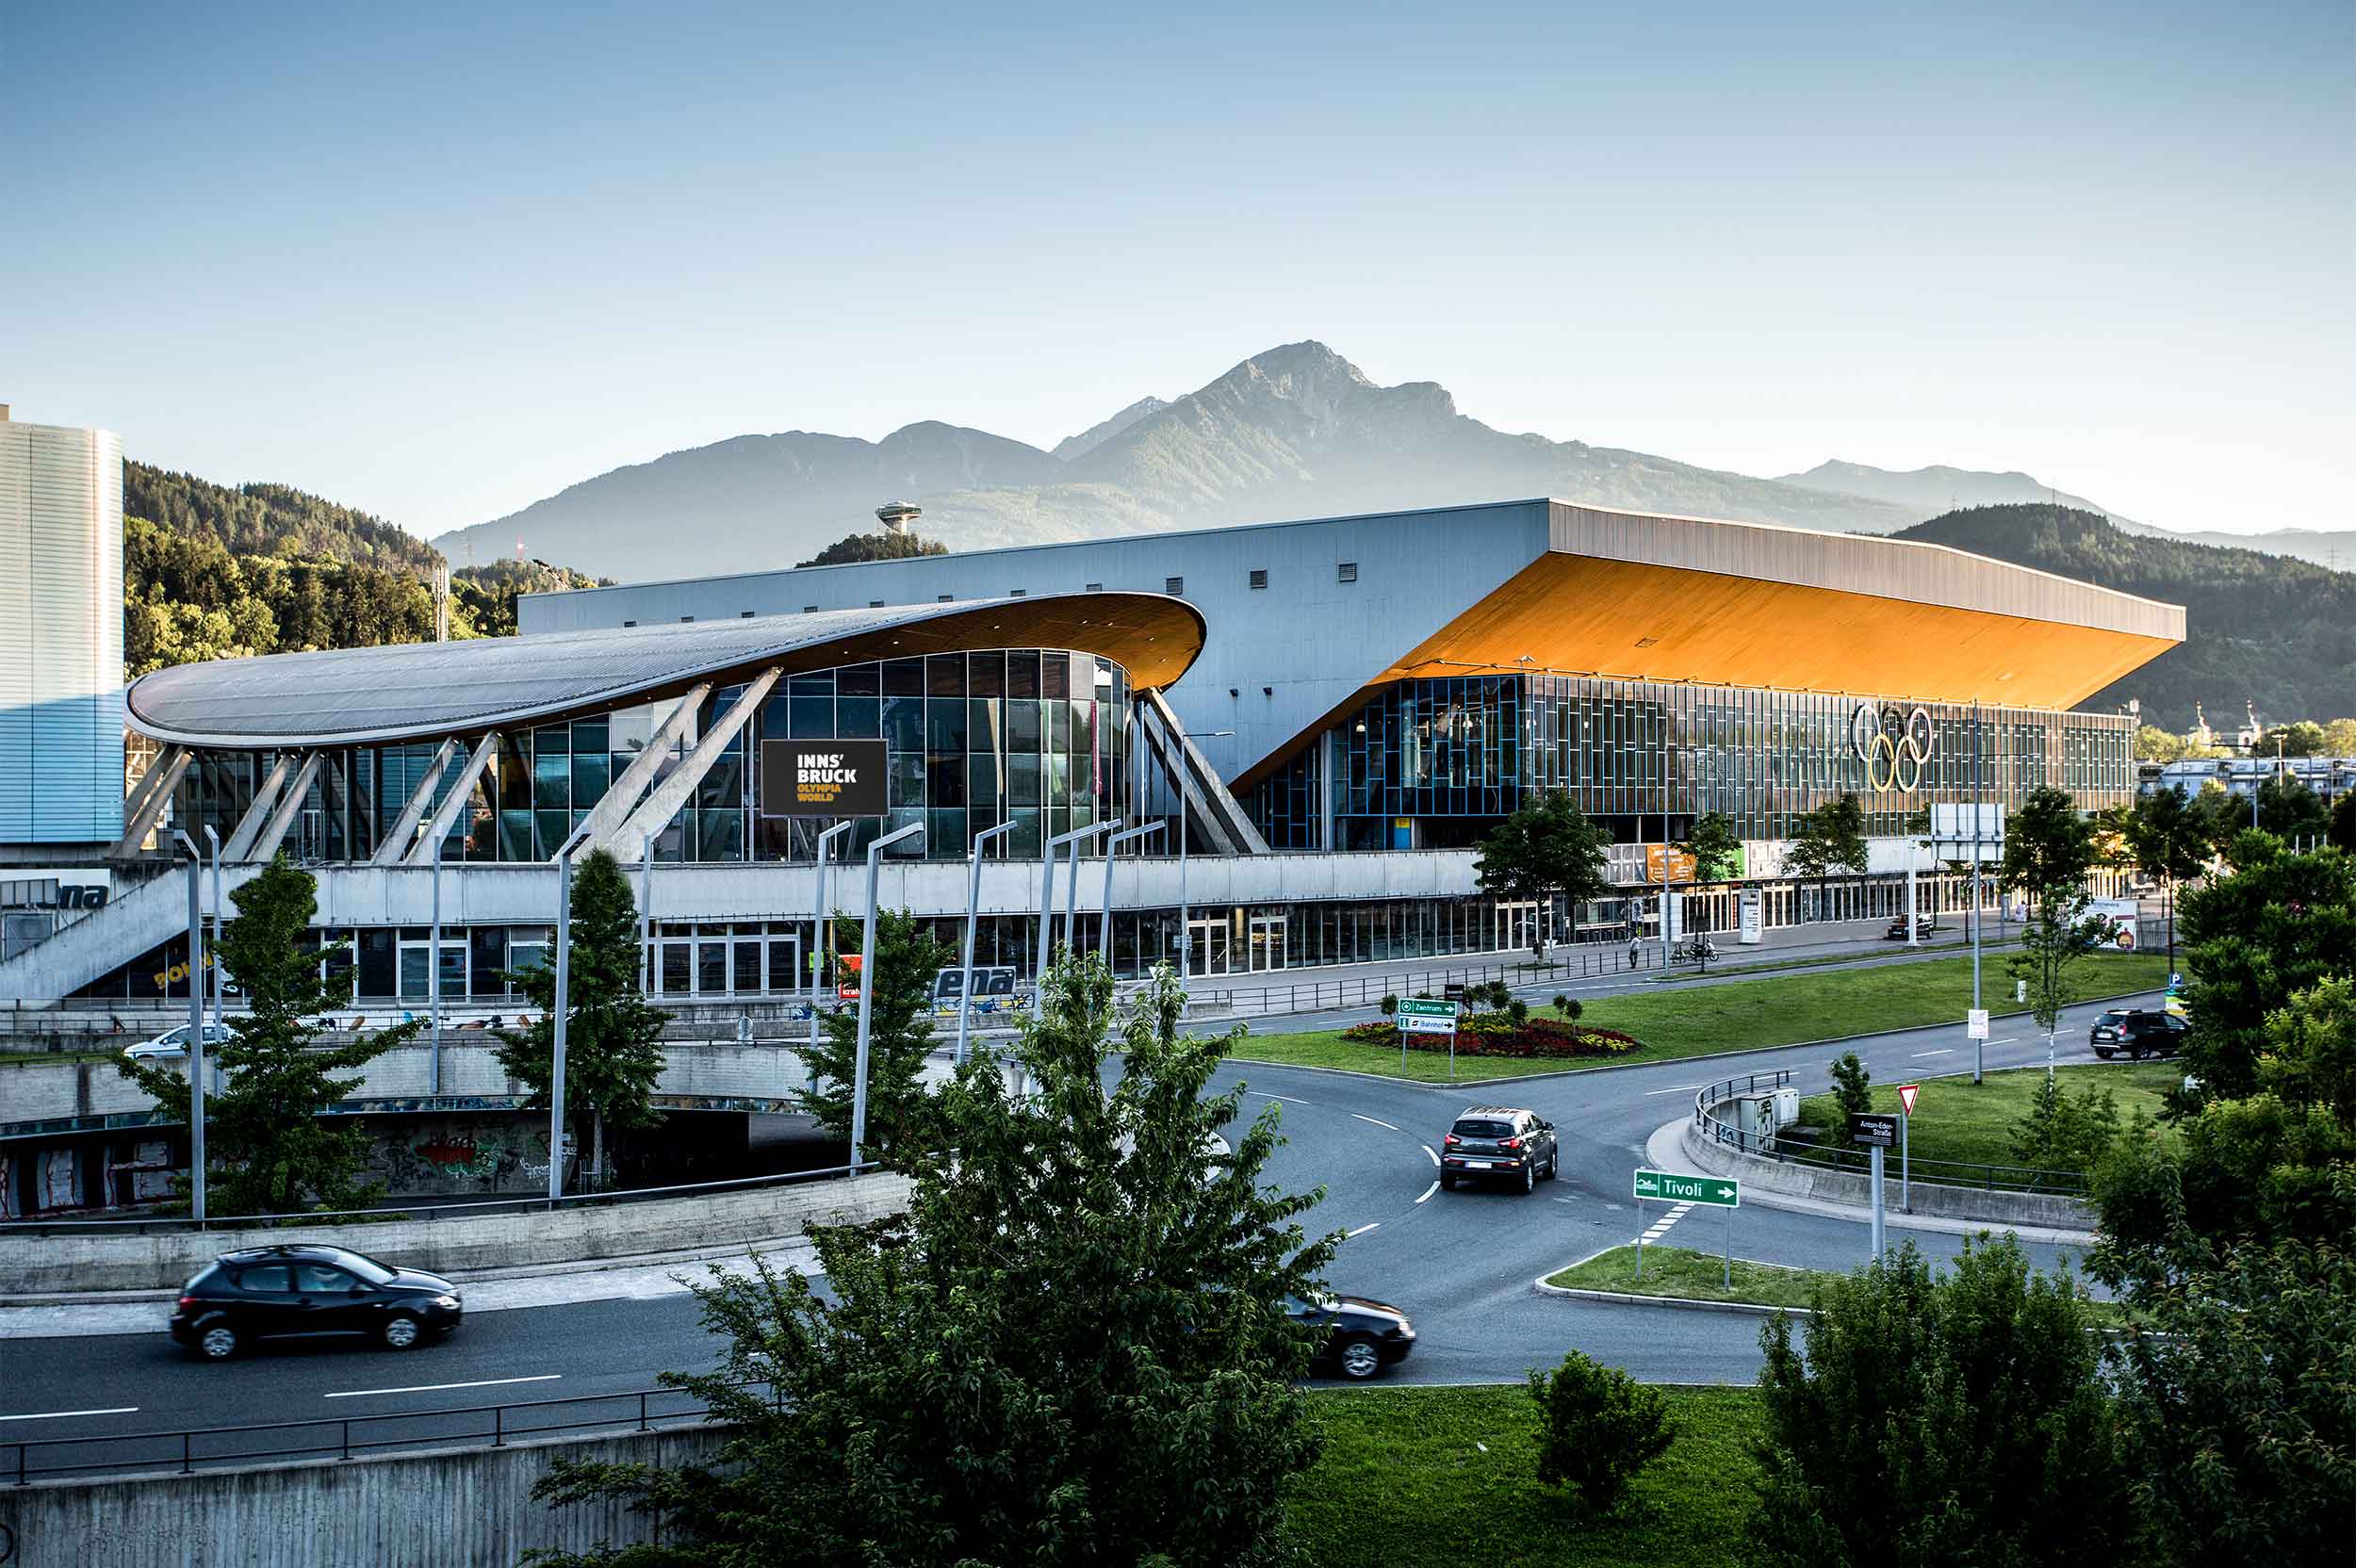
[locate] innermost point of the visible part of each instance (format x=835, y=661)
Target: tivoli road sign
x=1667, y=1186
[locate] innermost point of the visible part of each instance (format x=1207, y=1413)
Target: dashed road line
x=1661, y=1225
x=1361, y=1230
x=1429, y=1191
x=62, y=1415
x=1945, y=1051
x=1377, y=1122
x=1681, y=1088
x=436, y=1388
x=1261, y=1094
x=1435, y=1155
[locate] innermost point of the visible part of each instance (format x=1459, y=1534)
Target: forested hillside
x=2257, y=628
x=210, y=572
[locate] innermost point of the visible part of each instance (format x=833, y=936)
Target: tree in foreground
x=900, y=1037
x=1940, y=1420
x=613, y=1034
x=2280, y=924
x=1073, y=1349
x=1597, y=1427
x=1546, y=847
x=269, y=1149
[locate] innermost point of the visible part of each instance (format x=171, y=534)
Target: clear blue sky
x=439, y=263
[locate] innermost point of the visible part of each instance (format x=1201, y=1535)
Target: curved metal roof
x=424, y=690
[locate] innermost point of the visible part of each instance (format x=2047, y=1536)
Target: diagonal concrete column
x=613, y=808
x=289, y=803
x=663, y=803
x=426, y=848
x=402, y=834
x=147, y=807
x=241, y=844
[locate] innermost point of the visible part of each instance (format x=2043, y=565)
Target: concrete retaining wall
x=40, y=1265
x=425, y=1510
x=2046, y=1210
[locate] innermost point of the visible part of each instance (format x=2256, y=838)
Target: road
x=1462, y=1263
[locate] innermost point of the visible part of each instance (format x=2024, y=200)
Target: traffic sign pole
x=1729, y=1280
x=1877, y=1202
x=1640, y=1238
x=1905, y=1165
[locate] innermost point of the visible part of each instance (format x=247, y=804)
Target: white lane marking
x=1429, y=1191
x=1946, y=1050
x=1361, y=1230
x=1434, y=1153
x=1681, y=1088
x=436, y=1388
x=1288, y=1099
x=1377, y=1123
x=61, y=1414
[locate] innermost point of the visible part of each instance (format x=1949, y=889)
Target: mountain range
x=1295, y=431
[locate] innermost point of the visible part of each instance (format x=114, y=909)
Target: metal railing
x=294, y=1224
x=476, y=1426
x=1773, y=1145
x=1588, y=961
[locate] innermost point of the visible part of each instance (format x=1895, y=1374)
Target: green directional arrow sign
x=1668, y=1186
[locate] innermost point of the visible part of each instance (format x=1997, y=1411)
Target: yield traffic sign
x=1667, y=1186
x=1905, y=1097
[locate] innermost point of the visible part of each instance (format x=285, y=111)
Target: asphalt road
x=1462, y=1263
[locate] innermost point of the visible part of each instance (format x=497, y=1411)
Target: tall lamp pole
x=196, y=1025
x=972, y=918
x=212, y=841
x=818, y=928
x=1072, y=887
x=1979, y=875
x=562, y=1011
x=1047, y=853
x=867, y=991
x=1112, y=846
x=433, y=981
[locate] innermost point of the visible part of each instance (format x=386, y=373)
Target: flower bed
x=1497, y=1034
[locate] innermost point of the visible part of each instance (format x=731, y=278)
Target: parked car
x=1498, y=1143
x=172, y=1044
x=2136, y=1032
x=1362, y=1337
x=1924, y=926
x=286, y=1292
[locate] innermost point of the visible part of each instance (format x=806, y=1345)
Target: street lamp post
x=561, y=1014
x=433, y=981
x=645, y=912
x=196, y=1025
x=1072, y=887
x=1112, y=846
x=220, y=912
x=972, y=918
x=867, y=989
x=818, y=929
x=1048, y=848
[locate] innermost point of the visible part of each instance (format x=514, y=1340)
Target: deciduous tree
x=1546, y=847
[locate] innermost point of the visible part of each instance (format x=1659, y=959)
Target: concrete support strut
x=249, y=829
x=404, y=833
x=663, y=802
x=602, y=827
x=147, y=803
x=428, y=848
x=290, y=801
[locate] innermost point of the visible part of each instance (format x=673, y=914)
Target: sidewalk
x=645, y=1276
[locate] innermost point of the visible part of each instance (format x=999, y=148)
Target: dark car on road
x=1362, y=1337
x=1498, y=1143
x=1924, y=926
x=289, y=1292
x=2137, y=1033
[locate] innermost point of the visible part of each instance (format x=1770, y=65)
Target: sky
x=440, y=261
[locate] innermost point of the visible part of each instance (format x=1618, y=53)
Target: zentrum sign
x=821, y=779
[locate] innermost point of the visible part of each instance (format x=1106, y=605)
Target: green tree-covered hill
x=2258, y=628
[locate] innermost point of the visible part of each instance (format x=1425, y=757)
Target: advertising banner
x=821, y=779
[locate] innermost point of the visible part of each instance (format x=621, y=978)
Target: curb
x=1655, y=1061
x=1675, y=1303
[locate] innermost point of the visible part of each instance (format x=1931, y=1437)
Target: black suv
x=280, y=1292
x=1362, y=1337
x=1498, y=1143
x=1924, y=926
x=2137, y=1033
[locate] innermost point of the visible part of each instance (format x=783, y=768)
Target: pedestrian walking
x=1635, y=950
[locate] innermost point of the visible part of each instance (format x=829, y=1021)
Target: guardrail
x=480, y=1425
x=1592, y=960
x=1953, y=1173
x=296, y=1223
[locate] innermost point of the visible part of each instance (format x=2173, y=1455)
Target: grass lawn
x=1411, y=1476
x=1740, y=1015
x=1955, y=1120
x=1681, y=1271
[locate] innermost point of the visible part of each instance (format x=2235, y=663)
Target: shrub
x=1519, y=1010
x=2057, y=1133
x=1598, y=1427
x=1390, y=1003
x=1487, y=1034
x=1571, y=1008
x=1852, y=1085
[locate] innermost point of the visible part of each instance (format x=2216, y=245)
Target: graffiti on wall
x=463, y=1154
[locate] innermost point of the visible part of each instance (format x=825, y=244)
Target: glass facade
x=1434, y=763
x=1028, y=735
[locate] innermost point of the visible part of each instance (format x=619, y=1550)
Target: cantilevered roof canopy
x=426, y=691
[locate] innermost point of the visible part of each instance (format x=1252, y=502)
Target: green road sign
x=1417, y=1016
x=1667, y=1186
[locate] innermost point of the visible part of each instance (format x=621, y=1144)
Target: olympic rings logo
x=1892, y=743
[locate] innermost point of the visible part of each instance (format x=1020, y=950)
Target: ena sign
x=821, y=779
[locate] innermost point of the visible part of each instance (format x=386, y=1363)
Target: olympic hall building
x=1326, y=715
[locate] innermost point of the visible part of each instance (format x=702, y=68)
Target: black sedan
x=1362, y=1337
x=290, y=1292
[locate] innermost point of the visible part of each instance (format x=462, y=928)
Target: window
x=744, y=614
x=875, y=604
x=1347, y=572
x=1174, y=585
x=1095, y=587
x=318, y=1279
x=946, y=599
x=269, y=1280
x=630, y=623
x=1016, y=592
x=687, y=617
x=810, y=610
x=1259, y=577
